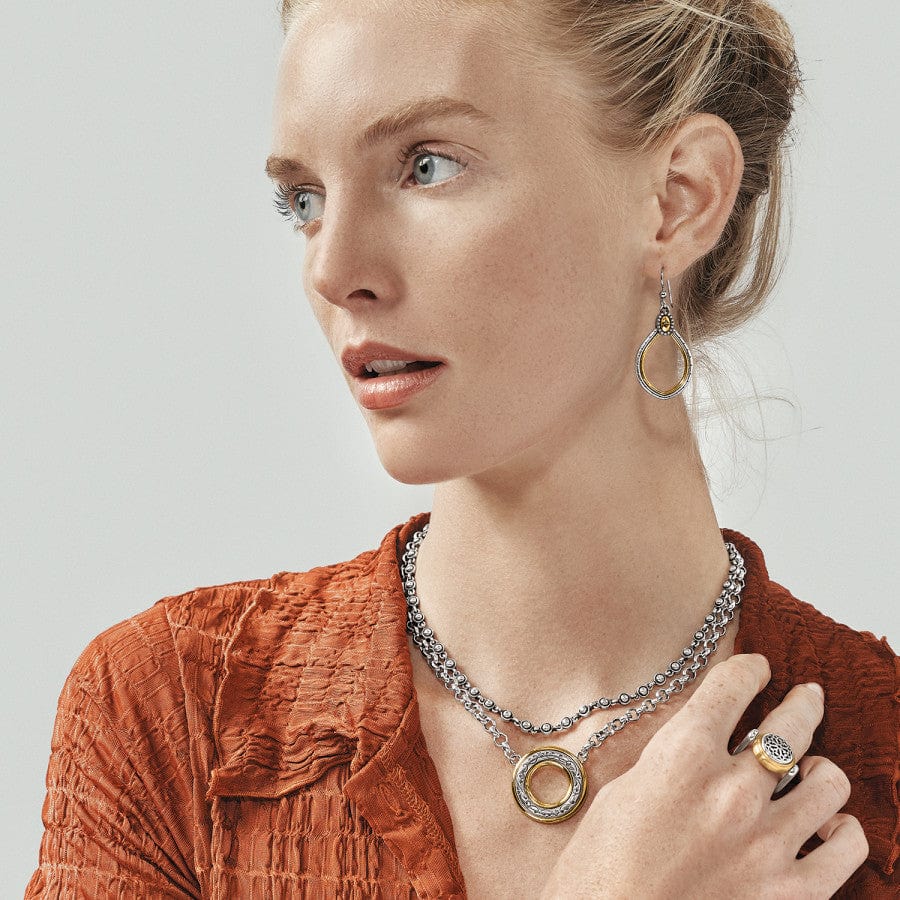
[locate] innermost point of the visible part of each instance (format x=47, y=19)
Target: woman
x=537, y=210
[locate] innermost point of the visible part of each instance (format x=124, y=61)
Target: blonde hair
x=640, y=67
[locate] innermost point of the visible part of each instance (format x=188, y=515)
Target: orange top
x=262, y=739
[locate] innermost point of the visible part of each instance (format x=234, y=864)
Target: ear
x=699, y=173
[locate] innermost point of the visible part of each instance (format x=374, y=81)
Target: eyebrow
x=389, y=126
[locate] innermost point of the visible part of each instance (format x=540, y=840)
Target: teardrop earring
x=665, y=326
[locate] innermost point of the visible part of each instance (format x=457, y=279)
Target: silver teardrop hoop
x=665, y=327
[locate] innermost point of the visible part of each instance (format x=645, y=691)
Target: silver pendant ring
x=560, y=759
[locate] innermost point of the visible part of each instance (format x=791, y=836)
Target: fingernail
x=816, y=687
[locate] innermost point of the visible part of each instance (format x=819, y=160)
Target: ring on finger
x=773, y=752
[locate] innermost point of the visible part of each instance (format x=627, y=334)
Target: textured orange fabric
x=261, y=739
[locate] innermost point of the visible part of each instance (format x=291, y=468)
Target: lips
x=390, y=389
x=355, y=358
x=394, y=389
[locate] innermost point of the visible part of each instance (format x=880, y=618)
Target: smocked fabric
x=261, y=739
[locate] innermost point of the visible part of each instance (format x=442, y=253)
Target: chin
x=414, y=459
x=409, y=469
x=447, y=447
x=410, y=450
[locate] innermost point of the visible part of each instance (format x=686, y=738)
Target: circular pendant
x=560, y=759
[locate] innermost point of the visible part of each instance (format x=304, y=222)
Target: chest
x=504, y=854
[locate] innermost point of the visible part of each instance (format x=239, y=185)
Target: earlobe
x=704, y=166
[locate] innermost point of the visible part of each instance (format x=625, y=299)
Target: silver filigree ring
x=773, y=753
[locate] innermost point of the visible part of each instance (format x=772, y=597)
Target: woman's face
x=520, y=266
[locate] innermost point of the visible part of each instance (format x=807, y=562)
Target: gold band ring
x=773, y=753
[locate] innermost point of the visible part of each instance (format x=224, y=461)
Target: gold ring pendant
x=559, y=759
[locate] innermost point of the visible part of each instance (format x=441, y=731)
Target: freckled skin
x=572, y=544
x=570, y=513
x=569, y=503
x=522, y=270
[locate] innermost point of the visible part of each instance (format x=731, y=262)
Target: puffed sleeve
x=117, y=812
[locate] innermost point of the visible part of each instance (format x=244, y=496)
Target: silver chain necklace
x=680, y=671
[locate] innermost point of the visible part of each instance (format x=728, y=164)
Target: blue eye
x=288, y=200
x=429, y=157
x=293, y=202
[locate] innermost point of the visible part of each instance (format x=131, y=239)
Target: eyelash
x=285, y=194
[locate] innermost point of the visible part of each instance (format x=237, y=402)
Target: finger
x=794, y=719
x=725, y=692
x=823, y=790
x=844, y=851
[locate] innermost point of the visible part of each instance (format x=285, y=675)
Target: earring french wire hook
x=665, y=327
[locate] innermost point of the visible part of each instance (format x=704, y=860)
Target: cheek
x=531, y=294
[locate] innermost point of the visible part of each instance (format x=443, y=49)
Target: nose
x=348, y=261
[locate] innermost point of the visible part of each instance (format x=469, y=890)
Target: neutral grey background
x=172, y=416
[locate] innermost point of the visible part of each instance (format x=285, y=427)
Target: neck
x=578, y=573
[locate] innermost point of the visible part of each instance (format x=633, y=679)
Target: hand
x=690, y=819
